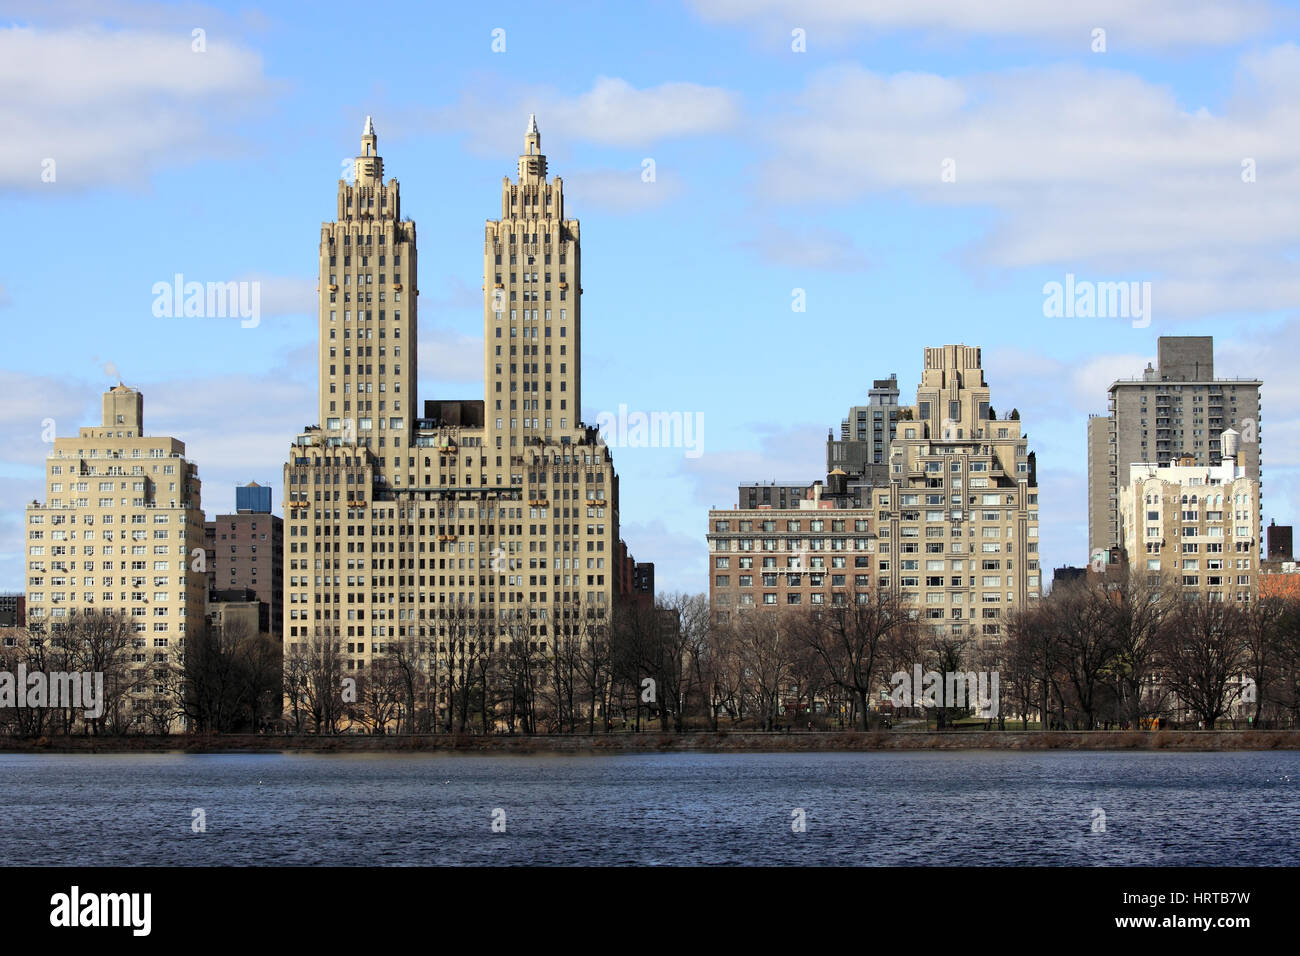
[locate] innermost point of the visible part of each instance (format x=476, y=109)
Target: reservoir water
x=928, y=808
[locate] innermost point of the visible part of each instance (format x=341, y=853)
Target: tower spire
x=532, y=162
x=369, y=167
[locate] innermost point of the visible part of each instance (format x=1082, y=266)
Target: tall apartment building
x=953, y=528
x=482, y=521
x=245, y=550
x=1174, y=409
x=960, y=518
x=121, y=530
x=1195, y=524
x=862, y=450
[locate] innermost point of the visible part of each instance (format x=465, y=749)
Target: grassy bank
x=722, y=742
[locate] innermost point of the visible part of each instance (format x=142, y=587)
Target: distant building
x=1195, y=523
x=950, y=523
x=1279, y=574
x=813, y=552
x=1173, y=410
x=1279, y=542
x=634, y=581
x=246, y=550
x=1068, y=574
x=13, y=609
x=862, y=450
x=643, y=581
x=238, y=611
x=772, y=494
x=253, y=498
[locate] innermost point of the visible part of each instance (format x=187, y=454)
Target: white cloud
x=31, y=400
x=795, y=454
x=1142, y=23
x=612, y=113
x=1098, y=173
x=615, y=113
x=110, y=106
x=446, y=355
x=622, y=190
x=808, y=248
x=286, y=295
x=680, y=559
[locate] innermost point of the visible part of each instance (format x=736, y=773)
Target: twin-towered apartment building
x=461, y=522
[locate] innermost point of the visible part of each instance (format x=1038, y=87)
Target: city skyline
x=739, y=214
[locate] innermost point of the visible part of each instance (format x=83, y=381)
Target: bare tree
x=1262, y=631
x=1133, y=613
x=379, y=693
x=100, y=642
x=1203, y=652
x=1076, y=614
x=851, y=641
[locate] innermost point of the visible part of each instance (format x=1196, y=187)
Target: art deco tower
x=531, y=308
x=464, y=528
x=368, y=315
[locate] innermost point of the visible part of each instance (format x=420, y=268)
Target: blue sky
x=775, y=170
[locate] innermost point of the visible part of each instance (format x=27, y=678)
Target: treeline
x=224, y=680
x=1091, y=655
x=1104, y=653
x=1094, y=654
x=667, y=667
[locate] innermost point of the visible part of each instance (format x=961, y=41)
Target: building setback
x=483, y=522
x=121, y=530
x=1175, y=409
x=952, y=527
x=863, y=447
x=245, y=550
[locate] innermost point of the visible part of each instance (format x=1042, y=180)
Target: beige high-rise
x=953, y=529
x=1194, y=525
x=401, y=526
x=961, y=514
x=121, y=530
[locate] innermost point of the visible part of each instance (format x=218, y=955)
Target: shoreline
x=656, y=742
